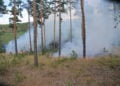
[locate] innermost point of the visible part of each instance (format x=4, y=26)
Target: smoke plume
x=101, y=36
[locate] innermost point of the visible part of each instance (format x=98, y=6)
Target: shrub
x=74, y=54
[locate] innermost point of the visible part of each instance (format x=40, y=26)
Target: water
x=101, y=34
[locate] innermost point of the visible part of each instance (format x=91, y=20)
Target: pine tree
x=44, y=35
x=29, y=11
x=54, y=10
x=29, y=30
x=35, y=34
x=70, y=8
x=59, y=6
x=2, y=7
x=43, y=9
x=3, y=10
x=60, y=20
x=61, y=9
x=15, y=11
x=83, y=29
x=28, y=7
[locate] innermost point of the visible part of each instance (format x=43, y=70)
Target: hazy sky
x=5, y=18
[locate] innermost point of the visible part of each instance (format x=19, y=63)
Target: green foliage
x=1, y=2
x=2, y=7
x=74, y=55
x=16, y=11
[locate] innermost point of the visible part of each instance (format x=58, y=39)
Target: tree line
x=40, y=10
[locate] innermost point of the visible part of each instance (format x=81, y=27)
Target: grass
x=19, y=77
x=4, y=64
x=5, y=27
x=99, y=71
x=7, y=35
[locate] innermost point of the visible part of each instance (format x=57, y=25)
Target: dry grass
x=102, y=71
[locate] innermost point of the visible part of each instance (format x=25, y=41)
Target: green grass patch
x=111, y=62
x=62, y=61
x=4, y=65
x=21, y=27
x=6, y=33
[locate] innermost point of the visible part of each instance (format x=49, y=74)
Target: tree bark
x=54, y=29
x=41, y=19
x=15, y=28
x=83, y=29
x=60, y=29
x=29, y=31
x=44, y=35
x=35, y=34
x=55, y=26
x=42, y=44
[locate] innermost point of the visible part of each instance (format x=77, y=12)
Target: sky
x=5, y=19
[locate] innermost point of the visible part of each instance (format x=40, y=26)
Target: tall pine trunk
x=42, y=39
x=83, y=29
x=55, y=26
x=41, y=25
x=35, y=34
x=54, y=30
x=29, y=31
x=15, y=28
x=44, y=35
x=60, y=28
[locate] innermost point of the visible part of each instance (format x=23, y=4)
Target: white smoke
x=99, y=27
